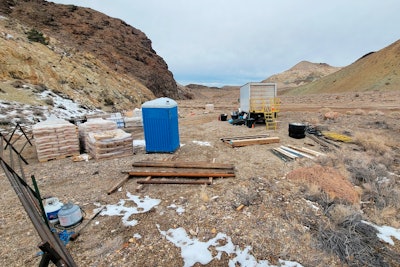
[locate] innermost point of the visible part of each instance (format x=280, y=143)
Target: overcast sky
x=232, y=42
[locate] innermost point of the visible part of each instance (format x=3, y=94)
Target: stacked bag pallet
x=93, y=126
x=134, y=120
x=109, y=144
x=55, y=139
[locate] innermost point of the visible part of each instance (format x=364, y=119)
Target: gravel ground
x=272, y=222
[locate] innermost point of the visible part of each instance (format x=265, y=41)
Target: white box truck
x=256, y=98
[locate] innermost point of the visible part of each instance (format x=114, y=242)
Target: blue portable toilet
x=160, y=125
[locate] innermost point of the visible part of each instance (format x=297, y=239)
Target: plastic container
x=69, y=215
x=250, y=122
x=52, y=206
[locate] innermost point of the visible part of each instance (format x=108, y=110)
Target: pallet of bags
x=55, y=139
x=93, y=126
x=109, y=144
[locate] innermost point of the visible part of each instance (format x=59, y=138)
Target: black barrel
x=297, y=130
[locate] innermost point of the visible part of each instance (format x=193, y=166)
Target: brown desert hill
x=76, y=31
x=375, y=71
x=302, y=73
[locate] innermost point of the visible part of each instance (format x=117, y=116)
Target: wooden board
x=181, y=164
x=256, y=141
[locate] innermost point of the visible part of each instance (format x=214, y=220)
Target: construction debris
x=249, y=140
x=55, y=138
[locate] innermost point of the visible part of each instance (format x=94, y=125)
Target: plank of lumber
x=287, y=154
x=153, y=181
x=180, y=174
x=181, y=164
x=307, y=150
x=140, y=187
x=257, y=141
x=117, y=185
x=296, y=152
x=244, y=137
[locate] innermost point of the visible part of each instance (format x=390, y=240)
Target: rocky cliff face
x=88, y=53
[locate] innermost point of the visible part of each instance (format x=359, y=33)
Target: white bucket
x=69, y=215
x=52, y=206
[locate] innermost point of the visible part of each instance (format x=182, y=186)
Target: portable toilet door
x=160, y=125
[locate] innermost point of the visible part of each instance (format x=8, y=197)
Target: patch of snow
x=142, y=205
x=64, y=108
x=194, y=251
x=179, y=209
x=385, y=233
x=201, y=143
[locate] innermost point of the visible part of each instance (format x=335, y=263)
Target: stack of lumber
x=293, y=153
x=93, y=126
x=109, y=144
x=176, y=172
x=55, y=139
x=239, y=141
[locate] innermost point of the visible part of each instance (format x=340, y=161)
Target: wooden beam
x=286, y=153
x=179, y=174
x=182, y=164
x=173, y=181
x=117, y=185
x=244, y=137
x=307, y=150
x=140, y=187
x=257, y=141
x=296, y=152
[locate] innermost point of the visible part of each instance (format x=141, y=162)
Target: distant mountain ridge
x=375, y=71
x=302, y=73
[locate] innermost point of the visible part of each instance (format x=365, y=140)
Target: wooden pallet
x=58, y=157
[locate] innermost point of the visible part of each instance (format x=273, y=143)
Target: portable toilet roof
x=162, y=102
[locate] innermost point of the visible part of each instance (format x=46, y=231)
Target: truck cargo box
x=255, y=96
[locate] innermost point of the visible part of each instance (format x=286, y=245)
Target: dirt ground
x=274, y=219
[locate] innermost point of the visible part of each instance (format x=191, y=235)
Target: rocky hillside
x=85, y=55
x=302, y=73
x=375, y=71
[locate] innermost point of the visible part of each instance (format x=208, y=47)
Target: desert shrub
x=49, y=101
x=108, y=102
x=5, y=121
x=359, y=112
x=379, y=187
x=395, y=115
x=40, y=88
x=371, y=142
x=17, y=84
x=355, y=243
x=38, y=113
x=376, y=113
x=36, y=36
